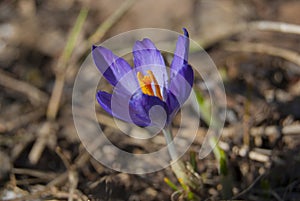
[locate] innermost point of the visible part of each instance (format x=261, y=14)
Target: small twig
x=73, y=179
x=35, y=95
x=34, y=173
x=275, y=26
x=263, y=49
x=59, y=180
x=21, y=145
x=82, y=159
x=72, y=174
x=64, y=159
x=97, y=166
x=56, y=96
x=246, y=122
x=46, y=131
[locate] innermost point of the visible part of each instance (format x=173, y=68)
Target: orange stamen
x=145, y=82
x=157, y=88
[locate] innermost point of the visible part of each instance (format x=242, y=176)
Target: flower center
x=149, y=84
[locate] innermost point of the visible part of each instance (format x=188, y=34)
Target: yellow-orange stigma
x=145, y=82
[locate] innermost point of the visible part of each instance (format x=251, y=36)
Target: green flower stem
x=185, y=176
x=169, y=140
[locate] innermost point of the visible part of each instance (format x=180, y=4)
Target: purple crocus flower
x=136, y=90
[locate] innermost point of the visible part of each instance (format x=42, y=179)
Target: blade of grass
x=73, y=36
x=206, y=111
x=226, y=178
x=171, y=184
x=189, y=194
x=60, y=69
x=220, y=156
x=193, y=161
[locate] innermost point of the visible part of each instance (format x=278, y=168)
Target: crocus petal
x=111, y=66
x=148, y=57
x=181, y=53
x=181, y=84
x=173, y=104
x=119, y=105
x=104, y=99
x=140, y=106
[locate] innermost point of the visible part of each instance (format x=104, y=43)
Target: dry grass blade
x=46, y=136
x=73, y=180
x=62, y=64
x=35, y=173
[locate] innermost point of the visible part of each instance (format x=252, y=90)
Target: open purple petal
x=181, y=53
x=105, y=101
x=147, y=57
x=181, y=84
x=140, y=106
x=111, y=66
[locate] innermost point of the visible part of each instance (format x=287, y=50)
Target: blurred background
x=254, y=44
